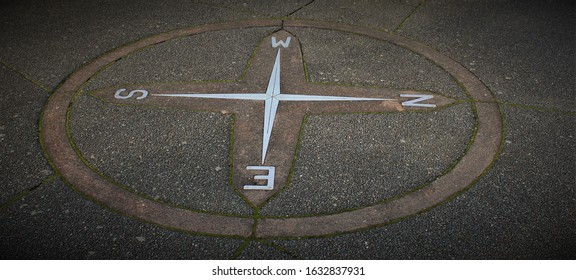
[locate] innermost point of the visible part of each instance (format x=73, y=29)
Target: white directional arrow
x=271, y=98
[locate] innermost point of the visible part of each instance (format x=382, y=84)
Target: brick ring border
x=481, y=153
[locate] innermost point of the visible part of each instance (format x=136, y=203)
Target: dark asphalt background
x=523, y=51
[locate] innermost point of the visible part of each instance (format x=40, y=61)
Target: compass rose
x=271, y=98
x=287, y=97
x=268, y=107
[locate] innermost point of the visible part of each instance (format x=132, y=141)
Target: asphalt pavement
x=128, y=129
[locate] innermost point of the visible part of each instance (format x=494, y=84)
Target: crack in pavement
x=416, y=9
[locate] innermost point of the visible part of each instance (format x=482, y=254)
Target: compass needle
x=271, y=105
x=302, y=97
x=274, y=82
x=237, y=96
x=271, y=98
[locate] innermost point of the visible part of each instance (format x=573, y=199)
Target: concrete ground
x=489, y=173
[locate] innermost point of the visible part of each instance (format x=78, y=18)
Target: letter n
x=419, y=98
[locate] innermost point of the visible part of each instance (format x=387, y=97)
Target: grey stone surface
x=256, y=250
x=371, y=13
x=259, y=9
x=522, y=209
x=57, y=223
x=22, y=163
x=355, y=160
x=219, y=55
x=523, y=51
x=347, y=58
x=169, y=155
x=49, y=40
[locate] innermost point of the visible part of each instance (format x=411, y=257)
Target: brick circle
x=481, y=153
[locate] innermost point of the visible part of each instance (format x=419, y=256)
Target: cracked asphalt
x=522, y=204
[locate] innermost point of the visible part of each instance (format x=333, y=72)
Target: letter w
x=275, y=43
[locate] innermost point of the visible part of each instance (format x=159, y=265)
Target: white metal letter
x=419, y=98
x=275, y=43
x=131, y=94
x=269, y=177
